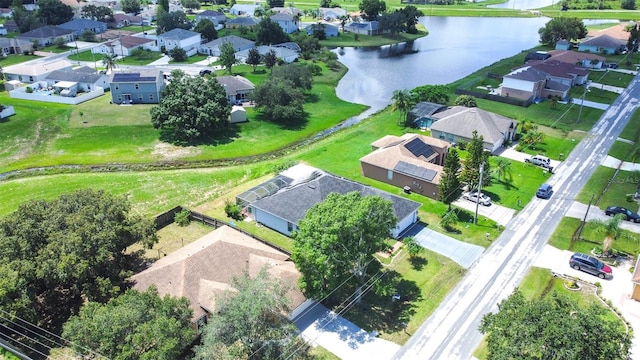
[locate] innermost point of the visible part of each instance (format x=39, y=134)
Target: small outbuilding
x=238, y=115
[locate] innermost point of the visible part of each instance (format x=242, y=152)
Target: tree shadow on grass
x=311, y=98
x=293, y=124
x=380, y=311
x=219, y=137
x=418, y=262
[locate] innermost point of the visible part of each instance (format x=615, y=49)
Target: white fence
x=21, y=93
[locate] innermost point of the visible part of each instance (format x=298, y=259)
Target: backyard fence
x=498, y=98
x=169, y=216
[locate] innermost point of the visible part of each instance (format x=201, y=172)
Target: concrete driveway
x=500, y=214
x=512, y=154
x=618, y=289
x=578, y=210
x=462, y=253
x=321, y=326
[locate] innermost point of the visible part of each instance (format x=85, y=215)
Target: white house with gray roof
x=78, y=26
x=212, y=48
x=287, y=22
x=458, y=123
x=47, y=35
x=82, y=79
x=216, y=17
x=185, y=39
x=287, y=55
x=14, y=46
x=237, y=88
x=241, y=21
x=243, y=9
x=283, y=210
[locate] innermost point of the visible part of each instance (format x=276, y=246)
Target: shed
x=238, y=115
x=12, y=85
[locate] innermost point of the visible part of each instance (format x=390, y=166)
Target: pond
x=454, y=48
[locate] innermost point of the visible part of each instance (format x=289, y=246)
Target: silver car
x=473, y=196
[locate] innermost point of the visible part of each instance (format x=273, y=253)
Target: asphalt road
x=451, y=332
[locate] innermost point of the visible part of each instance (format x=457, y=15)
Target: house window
x=441, y=136
x=390, y=174
x=137, y=86
x=450, y=137
x=119, y=98
x=30, y=78
x=150, y=97
x=289, y=227
x=140, y=97
x=117, y=87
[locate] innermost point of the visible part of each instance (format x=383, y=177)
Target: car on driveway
x=544, y=191
x=205, y=72
x=473, y=196
x=629, y=215
x=590, y=265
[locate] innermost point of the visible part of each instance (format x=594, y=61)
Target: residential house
x=528, y=83
x=69, y=82
x=212, y=48
x=583, y=59
x=288, y=10
x=124, y=45
x=242, y=21
x=15, y=46
x=617, y=31
x=148, y=15
x=283, y=210
x=243, y=9
x=78, y=26
x=47, y=35
x=412, y=161
x=181, y=38
x=30, y=73
x=421, y=115
x=238, y=88
x=3, y=30
x=363, y=28
x=562, y=72
x=329, y=14
x=603, y=44
x=123, y=20
x=536, y=55
x=287, y=22
x=205, y=268
x=287, y=55
x=6, y=13
x=136, y=87
x=458, y=123
x=329, y=30
x=216, y=17
x=563, y=45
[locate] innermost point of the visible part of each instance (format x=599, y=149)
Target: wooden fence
x=168, y=217
x=498, y=98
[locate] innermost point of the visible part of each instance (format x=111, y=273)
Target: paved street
x=451, y=331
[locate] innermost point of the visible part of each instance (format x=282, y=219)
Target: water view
x=454, y=48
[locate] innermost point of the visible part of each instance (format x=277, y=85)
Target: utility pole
x=586, y=88
x=475, y=219
x=587, y=212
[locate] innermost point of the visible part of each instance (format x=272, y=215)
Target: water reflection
x=455, y=47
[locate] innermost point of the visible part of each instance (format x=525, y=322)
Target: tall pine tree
x=476, y=157
x=449, y=188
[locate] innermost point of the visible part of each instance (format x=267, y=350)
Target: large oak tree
x=560, y=28
x=337, y=239
x=191, y=108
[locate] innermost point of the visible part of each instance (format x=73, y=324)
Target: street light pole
x=475, y=219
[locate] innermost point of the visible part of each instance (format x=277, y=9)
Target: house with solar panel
x=136, y=87
x=282, y=202
x=412, y=161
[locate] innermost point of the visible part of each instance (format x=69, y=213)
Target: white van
x=539, y=160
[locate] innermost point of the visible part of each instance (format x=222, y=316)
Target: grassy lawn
x=86, y=55
x=621, y=150
x=625, y=183
x=16, y=59
x=557, y=143
x=612, y=78
x=190, y=60
x=351, y=39
x=56, y=49
x=589, y=238
x=149, y=57
x=172, y=237
x=632, y=130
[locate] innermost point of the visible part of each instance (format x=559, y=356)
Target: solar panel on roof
x=132, y=77
x=416, y=171
x=419, y=148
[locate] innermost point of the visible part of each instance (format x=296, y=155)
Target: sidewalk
x=591, y=104
x=615, y=89
x=614, y=163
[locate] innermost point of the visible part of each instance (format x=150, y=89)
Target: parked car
x=205, y=72
x=544, y=191
x=629, y=215
x=539, y=160
x=473, y=196
x=590, y=265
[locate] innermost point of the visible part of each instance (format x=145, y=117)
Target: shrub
x=29, y=90
x=183, y=217
x=233, y=210
x=178, y=54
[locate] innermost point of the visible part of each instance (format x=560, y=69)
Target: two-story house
x=181, y=38
x=136, y=87
x=287, y=22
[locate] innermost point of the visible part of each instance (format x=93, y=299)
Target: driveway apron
x=462, y=253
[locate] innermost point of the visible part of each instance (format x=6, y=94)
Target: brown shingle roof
x=616, y=31
x=206, y=267
x=572, y=57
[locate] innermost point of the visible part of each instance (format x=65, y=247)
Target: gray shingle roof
x=178, y=34
x=236, y=41
x=528, y=73
x=243, y=21
x=462, y=121
x=75, y=76
x=208, y=13
x=45, y=32
x=81, y=24
x=604, y=41
x=292, y=204
x=282, y=17
x=233, y=84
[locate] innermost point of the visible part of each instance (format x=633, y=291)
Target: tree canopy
x=54, y=12
x=337, y=239
x=279, y=100
x=207, y=30
x=438, y=94
x=253, y=323
x=132, y=326
x=372, y=8
x=97, y=13
x=191, y=108
x=269, y=32
x=168, y=21
x=476, y=158
x=254, y=58
x=559, y=28
x=554, y=327
x=130, y=6
x=55, y=254
x=299, y=74
x=449, y=187
x=227, y=56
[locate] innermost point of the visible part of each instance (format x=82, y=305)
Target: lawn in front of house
x=352, y=39
x=625, y=183
x=631, y=132
x=190, y=60
x=621, y=150
x=16, y=59
x=562, y=238
x=557, y=143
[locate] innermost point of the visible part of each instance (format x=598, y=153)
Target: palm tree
x=503, y=168
x=611, y=230
x=109, y=61
x=402, y=102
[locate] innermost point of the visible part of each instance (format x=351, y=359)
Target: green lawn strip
x=631, y=131
x=421, y=289
x=612, y=78
x=625, y=183
x=148, y=58
x=557, y=144
x=137, y=28
x=555, y=11
x=86, y=55
x=594, y=93
x=16, y=59
x=621, y=150
x=320, y=353
x=589, y=238
x=150, y=193
x=351, y=39
x=190, y=60
x=56, y=49
x=173, y=237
